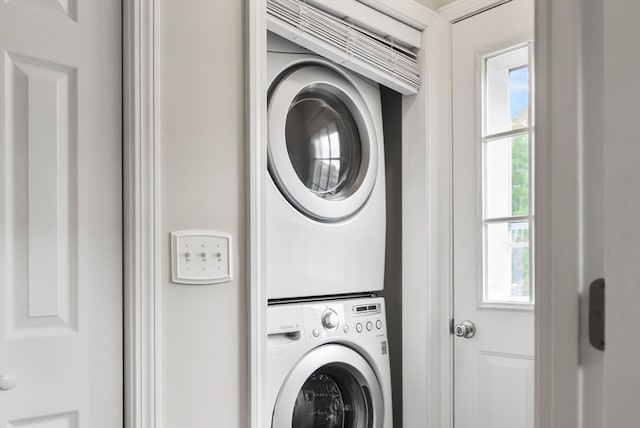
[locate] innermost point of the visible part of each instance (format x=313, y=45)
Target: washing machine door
x=323, y=147
x=331, y=387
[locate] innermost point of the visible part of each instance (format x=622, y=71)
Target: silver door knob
x=465, y=329
x=8, y=381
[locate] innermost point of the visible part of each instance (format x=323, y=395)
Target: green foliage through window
x=520, y=175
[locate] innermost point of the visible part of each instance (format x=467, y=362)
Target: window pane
x=519, y=97
x=507, y=96
x=507, y=177
x=507, y=262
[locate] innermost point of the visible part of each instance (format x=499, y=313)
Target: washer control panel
x=361, y=317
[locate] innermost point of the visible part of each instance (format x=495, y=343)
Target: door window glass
x=323, y=144
x=508, y=270
x=507, y=177
x=507, y=140
x=507, y=91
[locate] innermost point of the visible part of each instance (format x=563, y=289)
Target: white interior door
x=493, y=218
x=60, y=214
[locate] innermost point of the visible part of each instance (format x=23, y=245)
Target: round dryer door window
x=322, y=143
x=331, y=387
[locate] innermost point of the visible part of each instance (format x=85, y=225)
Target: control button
x=345, y=328
x=359, y=328
x=316, y=333
x=330, y=319
x=378, y=324
x=369, y=325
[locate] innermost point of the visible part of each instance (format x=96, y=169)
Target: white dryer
x=325, y=196
x=328, y=365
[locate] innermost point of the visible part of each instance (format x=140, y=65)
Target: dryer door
x=323, y=148
x=332, y=387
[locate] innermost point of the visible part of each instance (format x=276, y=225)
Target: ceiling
x=435, y=4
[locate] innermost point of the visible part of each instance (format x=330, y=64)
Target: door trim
x=560, y=226
x=427, y=235
x=430, y=195
x=256, y=156
x=141, y=187
x=426, y=219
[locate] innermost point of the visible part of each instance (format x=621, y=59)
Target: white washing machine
x=328, y=365
x=325, y=196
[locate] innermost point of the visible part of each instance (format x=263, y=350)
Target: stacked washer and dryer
x=328, y=358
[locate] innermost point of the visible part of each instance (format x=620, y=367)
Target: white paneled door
x=493, y=218
x=60, y=214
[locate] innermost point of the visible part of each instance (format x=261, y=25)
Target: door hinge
x=596, y=314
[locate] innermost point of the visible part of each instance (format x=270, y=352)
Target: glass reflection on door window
x=507, y=177
x=508, y=267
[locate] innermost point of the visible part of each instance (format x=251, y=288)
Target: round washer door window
x=331, y=387
x=322, y=143
x=332, y=398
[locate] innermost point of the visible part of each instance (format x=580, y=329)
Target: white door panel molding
x=42, y=283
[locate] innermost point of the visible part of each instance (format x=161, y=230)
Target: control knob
x=330, y=319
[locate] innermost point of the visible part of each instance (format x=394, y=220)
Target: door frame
x=560, y=226
x=426, y=212
x=142, y=242
x=458, y=12
x=426, y=166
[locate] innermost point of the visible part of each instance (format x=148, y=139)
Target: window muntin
x=507, y=209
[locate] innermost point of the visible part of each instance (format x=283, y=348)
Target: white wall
x=204, y=333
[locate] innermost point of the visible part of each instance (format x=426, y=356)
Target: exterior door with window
x=493, y=218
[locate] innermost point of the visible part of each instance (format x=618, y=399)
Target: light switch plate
x=200, y=257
